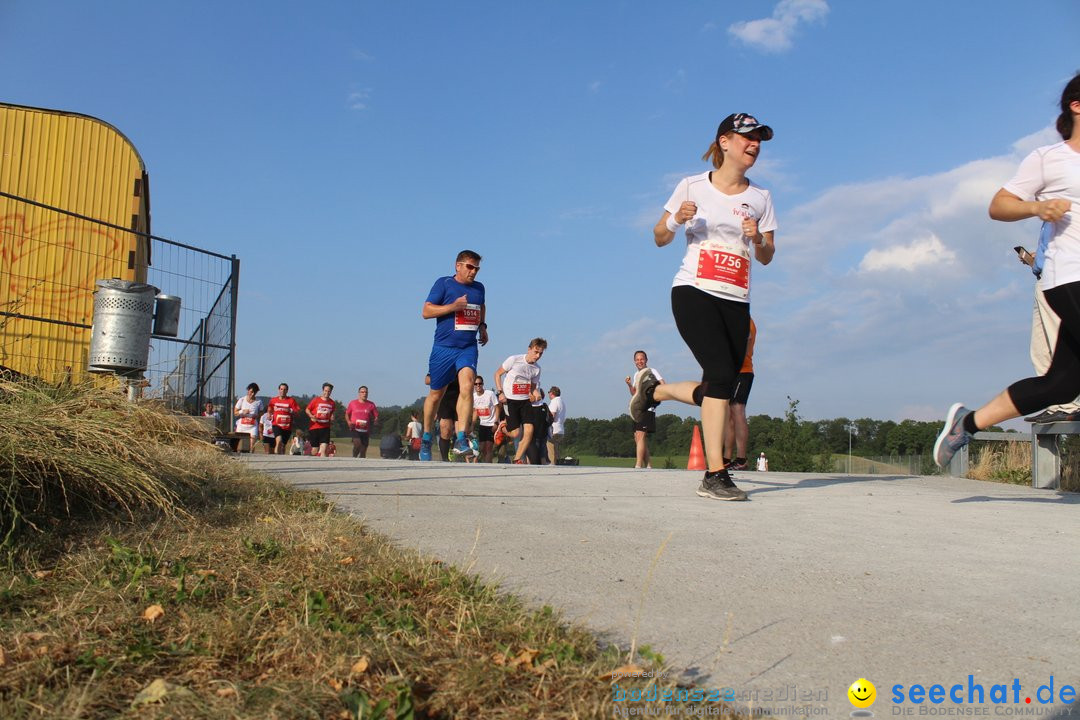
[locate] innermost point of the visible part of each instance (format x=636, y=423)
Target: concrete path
x=787, y=599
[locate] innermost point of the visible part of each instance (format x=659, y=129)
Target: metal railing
x=50, y=259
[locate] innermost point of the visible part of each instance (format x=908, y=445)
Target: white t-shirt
x=719, y=219
x=247, y=415
x=1053, y=172
x=520, y=377
x=266, y=425
x=558, y=413
x=415, y=429
x=655, y=372
x=485, y=404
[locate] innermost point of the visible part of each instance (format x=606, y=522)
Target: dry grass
x=256, y=601
x=1008, y=462
x=71, y=448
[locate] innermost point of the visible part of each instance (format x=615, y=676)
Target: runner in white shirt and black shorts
x=518, y=380
x=1046, y=186
x=727, y=219
x=485, y=418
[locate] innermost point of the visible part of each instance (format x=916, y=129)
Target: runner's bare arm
x=431, y=310
x=765, y=251
x=1008, y=208
x=662, y=233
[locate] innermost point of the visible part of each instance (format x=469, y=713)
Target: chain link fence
x=50, y=259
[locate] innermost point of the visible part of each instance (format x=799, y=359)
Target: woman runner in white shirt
x=726, y=218
x=1046, y=186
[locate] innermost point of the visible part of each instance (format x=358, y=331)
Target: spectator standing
x=361, y=415
x=558, y=424
x=646, y=424
x=320, y=412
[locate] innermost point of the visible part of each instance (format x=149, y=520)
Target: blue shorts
x=445, y=363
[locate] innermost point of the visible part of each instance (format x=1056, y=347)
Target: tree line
x=790, y=442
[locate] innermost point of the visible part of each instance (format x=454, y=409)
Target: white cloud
x=774, y=34
x=918, y=253
x=358, y=99
x=594, y=86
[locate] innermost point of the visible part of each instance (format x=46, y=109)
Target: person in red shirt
x=283, y=410
x=361, y=414
x=321, y=413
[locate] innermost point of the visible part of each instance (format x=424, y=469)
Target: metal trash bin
x=167, y=316
x=120, y=336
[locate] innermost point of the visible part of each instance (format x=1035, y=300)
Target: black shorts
x=318, y=437
x=280, y=432
x=740, y=393
x=485, y=433
x=518, y=413
x=364, y=438
x=268, y=439
x=716, y=330
x=448, y=405
x=647, y=424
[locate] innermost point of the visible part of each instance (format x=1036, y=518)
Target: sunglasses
x=470, y=266
x=478, y=382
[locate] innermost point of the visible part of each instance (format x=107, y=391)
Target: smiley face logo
x=862, y=693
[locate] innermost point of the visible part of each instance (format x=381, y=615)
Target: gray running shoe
x=642, y=399
x=718, y=486
x=952, y=436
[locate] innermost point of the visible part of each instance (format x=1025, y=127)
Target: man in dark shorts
x=361, y=416
x=518, y=380
x=447, y=417
x=283, y=412
x=320, y=412
x=646, y=424
x=485, y=418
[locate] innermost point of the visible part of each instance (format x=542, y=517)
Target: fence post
x=235, y=290
x=200, y=377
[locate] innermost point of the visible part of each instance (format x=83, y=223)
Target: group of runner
x=728, y=221
x=275, y=423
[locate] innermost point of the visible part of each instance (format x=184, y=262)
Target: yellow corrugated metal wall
x=48, y=260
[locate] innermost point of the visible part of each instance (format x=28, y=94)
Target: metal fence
x=50, y=259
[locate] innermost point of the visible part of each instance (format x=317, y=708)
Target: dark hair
x=538, y=342
x=253, y=386
x=327, y=385
x=1069, y=95
x=642, y=352
x=478, y=377
x=362, y=387
x=554, y=390
x=468, y=255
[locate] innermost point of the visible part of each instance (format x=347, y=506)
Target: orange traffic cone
x=697, y=454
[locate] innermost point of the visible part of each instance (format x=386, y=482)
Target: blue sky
x=346, y=151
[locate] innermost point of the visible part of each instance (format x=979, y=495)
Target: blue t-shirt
x=457, y=330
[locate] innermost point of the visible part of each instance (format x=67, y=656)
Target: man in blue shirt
x=457, y=303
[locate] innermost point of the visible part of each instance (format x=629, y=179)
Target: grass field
x=236, y=597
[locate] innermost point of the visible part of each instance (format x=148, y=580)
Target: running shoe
x=520, y=462
x=952, y=436
x=736, y=465
x=462, y=447
x=1046, y=416
x=642, y=399
x=425, y=450
x=718, y=486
